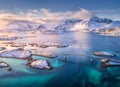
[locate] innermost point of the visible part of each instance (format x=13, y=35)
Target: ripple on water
x=27, y=81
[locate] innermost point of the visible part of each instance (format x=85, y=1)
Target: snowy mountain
x=86, y=22
x=23, y=26
x=94, y=24
x=91, y=24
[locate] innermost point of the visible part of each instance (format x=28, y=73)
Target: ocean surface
x=76, y=71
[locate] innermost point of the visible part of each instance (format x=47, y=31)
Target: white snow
x=40, y=64
x=104, y=54
x=2, y=64
x=17, y=53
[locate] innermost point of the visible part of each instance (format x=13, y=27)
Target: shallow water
x=76, y=71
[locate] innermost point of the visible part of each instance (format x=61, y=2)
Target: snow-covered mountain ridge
x=91, y=23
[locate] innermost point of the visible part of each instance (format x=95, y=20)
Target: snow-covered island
x=53, y=44
x=39, y=64
x=110, y=62
x=17, y=53
x=49, y=44
x=3, y=64
x=106, y=54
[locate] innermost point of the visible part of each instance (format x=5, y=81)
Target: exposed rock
x=101, y=20
x=49, y=32
x=9, y=38
x=107, y=54
x=39, y=64
x=43, y=45
x=18, y=45
x=17, y=53
x=66, y=25
x=30, y=59
x=7, y=42
x=33, y=44
x=114, y=31
x=2, y=48
x=9, y=69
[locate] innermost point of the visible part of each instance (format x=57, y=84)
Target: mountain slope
x=23, y=26
x=94, y=24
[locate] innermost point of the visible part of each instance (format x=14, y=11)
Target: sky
x=38, y=10
x=60, y=5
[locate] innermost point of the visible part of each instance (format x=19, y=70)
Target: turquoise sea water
x=66, y=73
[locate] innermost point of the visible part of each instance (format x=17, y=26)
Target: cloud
x=43, y=15
x=47, y=16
